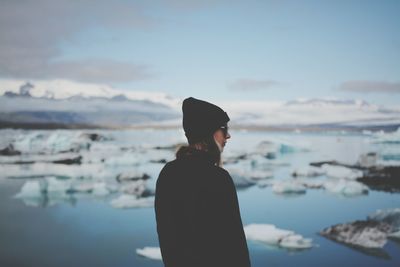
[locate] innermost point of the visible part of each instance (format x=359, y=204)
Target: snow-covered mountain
x=313, y=113
x=68, y=103
x=64, y=89
x=77, y=105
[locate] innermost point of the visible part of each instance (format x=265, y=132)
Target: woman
x=197, y=211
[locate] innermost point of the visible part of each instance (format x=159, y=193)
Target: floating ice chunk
x=296, y=242
x=388, y=138
x=341, y=172
x=269, y=234
x=31, y=189
x=288, y=187
x=368, y=234
x=345, y=187
x=153, y=253
x=100, y=189
x=309, y=171
x=129, y=201
x=266, y=233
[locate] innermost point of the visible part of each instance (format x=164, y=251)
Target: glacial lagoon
x=84, y=197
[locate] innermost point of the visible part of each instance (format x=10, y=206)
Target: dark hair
x=207, y=145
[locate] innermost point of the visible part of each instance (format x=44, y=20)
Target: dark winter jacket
x=198, y=217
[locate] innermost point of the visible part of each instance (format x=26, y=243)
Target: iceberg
x=387, y=138
x=341, y=172
x=32, y=189
x=153, y=253
x=367, y=234
x=345, y=187
x=270, y=235
x=101, y=189
x=288, y=187
x=129, y=201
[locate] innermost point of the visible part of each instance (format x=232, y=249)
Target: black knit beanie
x=201, y=119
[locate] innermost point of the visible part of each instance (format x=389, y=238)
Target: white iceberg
x=270, y=235
x=345, y=187
x=101, y=189
x=288, y=187
x=129, y=201
x=341, y=172
x=153, y=253
x=32, y=189
x=388, y=138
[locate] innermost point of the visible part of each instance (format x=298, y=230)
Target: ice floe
x=32, y=189
x=53, y=189
x=288, y=187
x=130, y=201
x=388, y=138
x=345, y=187
x=341, y=172
x=271, y=235
x=371, y=233
x=153, y=253
x=368, y=234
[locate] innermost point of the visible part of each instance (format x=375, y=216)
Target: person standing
x=196, y=205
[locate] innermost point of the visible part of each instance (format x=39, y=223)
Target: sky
x=276, y=50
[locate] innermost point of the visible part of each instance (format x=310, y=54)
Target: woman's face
x=221, y=136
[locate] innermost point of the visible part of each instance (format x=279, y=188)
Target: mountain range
x=63, y=104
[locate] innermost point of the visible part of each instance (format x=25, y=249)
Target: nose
x=228, y=136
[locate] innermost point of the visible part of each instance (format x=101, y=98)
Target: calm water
x=87, y=231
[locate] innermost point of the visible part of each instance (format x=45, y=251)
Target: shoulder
x=223, y=178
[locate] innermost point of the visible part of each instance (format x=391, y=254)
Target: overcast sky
x=215, y=50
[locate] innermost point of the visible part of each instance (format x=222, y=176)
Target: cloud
x=252, y=85
x=100, y=71
x=370, y=87
x=31, y=32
